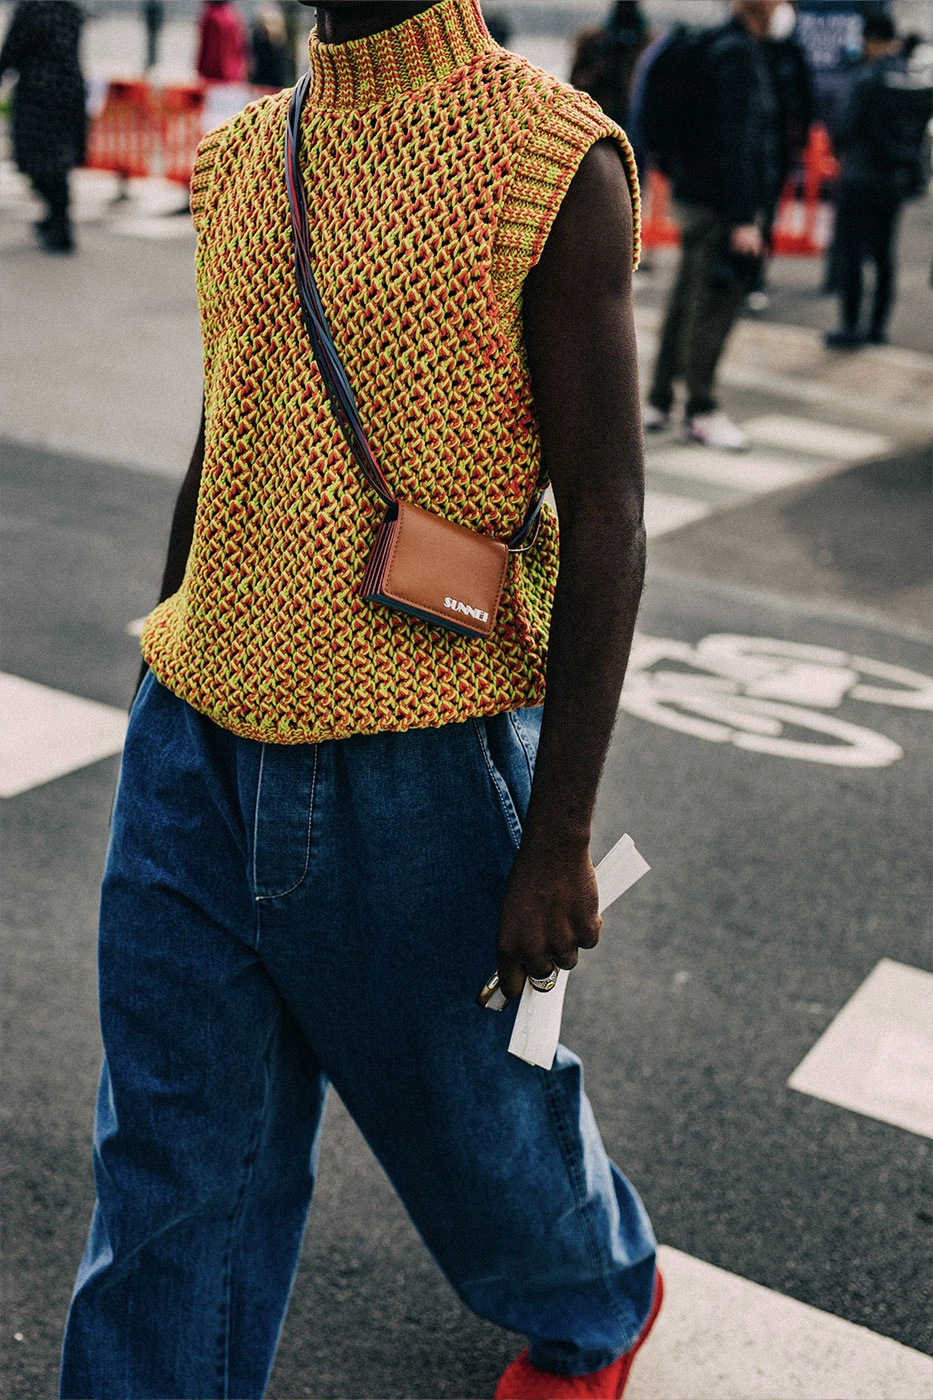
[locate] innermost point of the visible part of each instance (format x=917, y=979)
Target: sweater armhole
x=561, y=137
x=203, y=173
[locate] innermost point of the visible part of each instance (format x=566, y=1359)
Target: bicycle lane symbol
x=769, y=696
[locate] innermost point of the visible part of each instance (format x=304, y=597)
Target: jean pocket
x=145, y=685
x=526, y=725
x=282, y=822
x=495, y=735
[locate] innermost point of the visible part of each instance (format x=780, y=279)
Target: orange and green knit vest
x=434, y=164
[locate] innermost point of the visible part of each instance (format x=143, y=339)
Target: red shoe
x=522, y=1381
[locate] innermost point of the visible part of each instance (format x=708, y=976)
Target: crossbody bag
x=421, y=564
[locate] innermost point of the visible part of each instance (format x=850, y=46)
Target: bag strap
x=339, y=391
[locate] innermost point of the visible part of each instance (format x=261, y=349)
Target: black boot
x=846, y=339
x=56, y=236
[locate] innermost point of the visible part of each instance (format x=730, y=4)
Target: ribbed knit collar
x=420, y=51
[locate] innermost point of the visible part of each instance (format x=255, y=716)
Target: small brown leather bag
x=421, y=564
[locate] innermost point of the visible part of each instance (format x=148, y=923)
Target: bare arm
x=182, y=532
x=580, y=339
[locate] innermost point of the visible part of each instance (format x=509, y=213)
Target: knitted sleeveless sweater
x=434, y=163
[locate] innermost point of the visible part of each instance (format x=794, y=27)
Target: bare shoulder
x=591, y=239
x=599, y=191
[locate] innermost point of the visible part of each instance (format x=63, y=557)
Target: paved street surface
x=756, y=1021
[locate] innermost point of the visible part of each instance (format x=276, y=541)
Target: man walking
x=334, y=819
x=881, y=142
x=724, y=191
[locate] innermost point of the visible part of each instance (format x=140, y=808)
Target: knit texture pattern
x=434, y=164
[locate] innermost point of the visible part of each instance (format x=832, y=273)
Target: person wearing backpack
x=881, y=143
x=708, y=119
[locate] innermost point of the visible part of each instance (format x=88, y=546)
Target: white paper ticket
x=537, y=1023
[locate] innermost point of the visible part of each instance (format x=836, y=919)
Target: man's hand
x=550, y=911
x=746, y=240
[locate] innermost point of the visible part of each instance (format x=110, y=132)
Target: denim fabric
x=277, y=917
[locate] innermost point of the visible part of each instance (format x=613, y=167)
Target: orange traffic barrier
x=658, y=229
x=804, y=220
x=182, y=126
x=142, y=131
x=123, y=137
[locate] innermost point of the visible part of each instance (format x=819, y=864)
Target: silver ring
x=545, y=984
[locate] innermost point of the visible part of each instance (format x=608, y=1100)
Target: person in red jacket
x=222, y=44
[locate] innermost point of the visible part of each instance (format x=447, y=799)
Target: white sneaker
x=655, y=420
x=715, y=430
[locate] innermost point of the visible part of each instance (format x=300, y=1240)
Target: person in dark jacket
x=792, y=80
x=153, y=18
x=269, y=45
x=48, y=124
x=881, y=142
x=723, y=195
x=605, y=58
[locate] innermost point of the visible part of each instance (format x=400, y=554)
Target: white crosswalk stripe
x=152, y=209
x=876, y=1057
x=665, y=512
x=687, y=482
x=45, y=733
x=805, y=435
x=721, y=1337
x=753, y=472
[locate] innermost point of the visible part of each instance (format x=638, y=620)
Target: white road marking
x=721, y=1337
x=824, y=439
x=161, y=228
x=877, y=1055
x=45, y=733
x=747, y=471
x=766, y=695
x=664, y=512
x=757, y=726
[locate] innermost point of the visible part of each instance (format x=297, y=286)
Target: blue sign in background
x=830, y=32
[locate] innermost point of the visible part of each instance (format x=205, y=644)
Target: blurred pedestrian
x=291, y=14
x=335, y=818
x=269, y=45
x=605, y=58
x=48, y=122
x=725, y=179
x=153, y=18
x=792, y=79
x=910, y=44
x=222, y=43
x=499, y=26
x=881, y=140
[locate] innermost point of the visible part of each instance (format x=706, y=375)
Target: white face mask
x=782, y=22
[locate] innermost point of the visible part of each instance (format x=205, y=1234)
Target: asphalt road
x=778, y=883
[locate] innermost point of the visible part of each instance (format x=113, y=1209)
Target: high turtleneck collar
x=420, y=51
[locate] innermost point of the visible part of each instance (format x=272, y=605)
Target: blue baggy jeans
x=274, y=918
